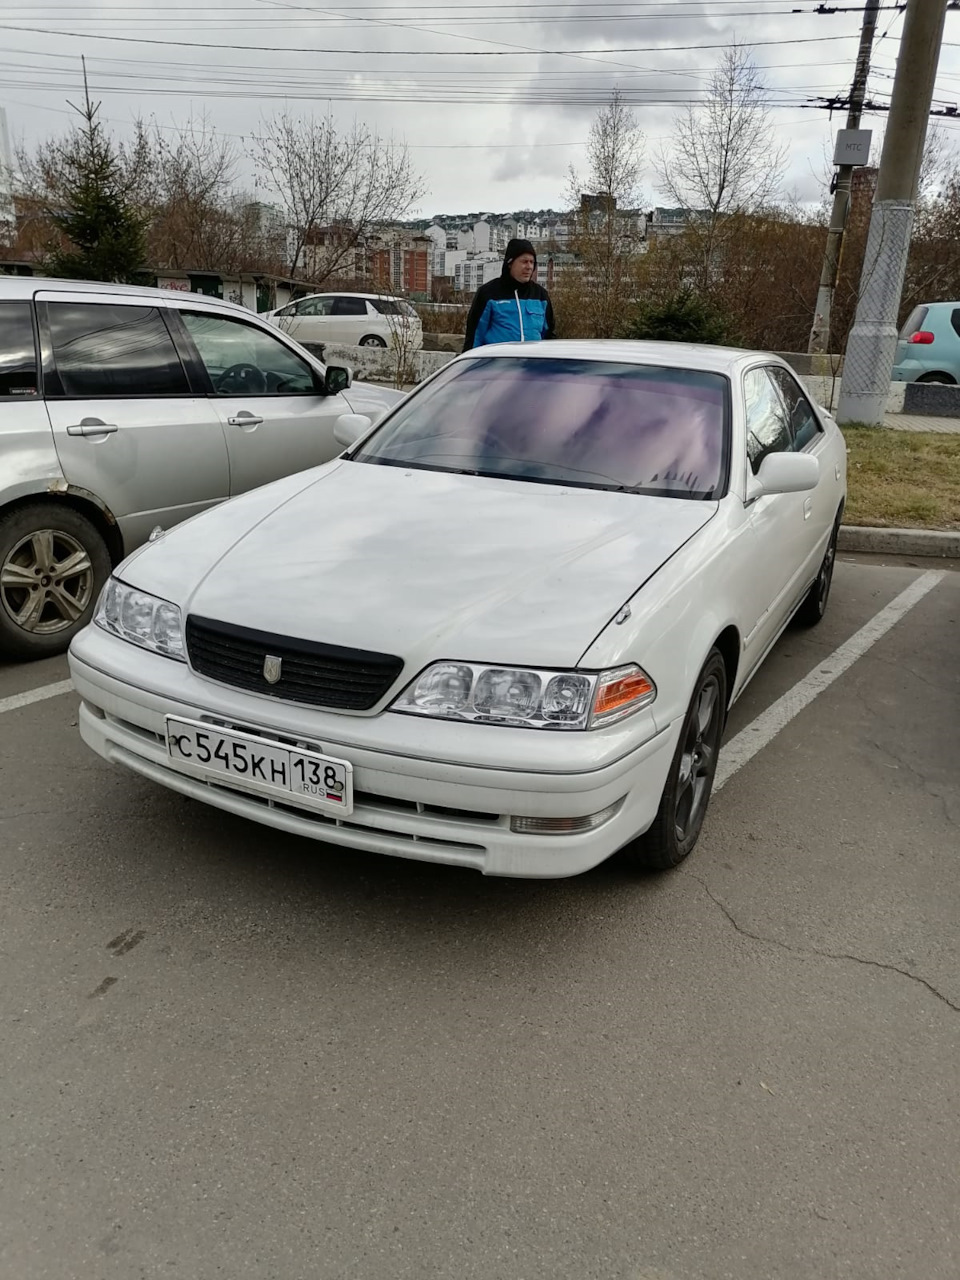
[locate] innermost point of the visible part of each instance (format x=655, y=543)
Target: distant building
x=476, y=270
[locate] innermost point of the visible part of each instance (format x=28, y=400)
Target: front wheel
x=372, y=340
x=53, y=563
x=683, y=804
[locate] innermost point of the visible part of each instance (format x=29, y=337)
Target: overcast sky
x=494, y=100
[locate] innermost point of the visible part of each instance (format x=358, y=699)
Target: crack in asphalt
x=815, y=951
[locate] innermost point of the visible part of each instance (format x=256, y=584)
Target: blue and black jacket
x=504, y=310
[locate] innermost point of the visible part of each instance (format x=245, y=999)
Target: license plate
x=258, y=764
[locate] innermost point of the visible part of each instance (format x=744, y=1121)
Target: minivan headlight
x=527, y=698
x=141, y=619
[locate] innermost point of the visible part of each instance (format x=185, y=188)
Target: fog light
x=564, y=826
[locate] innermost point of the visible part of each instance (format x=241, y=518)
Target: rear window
x=392, y=307
x=914, y=323
x=587, y=423
x=18, y=353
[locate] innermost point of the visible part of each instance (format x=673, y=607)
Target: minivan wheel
x=372, y=340
x=683, y=805
x=53, y=563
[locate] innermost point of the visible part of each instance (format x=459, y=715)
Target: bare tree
x=334, y=187
x=194, y=223
x=608, y=229
x=722, y=160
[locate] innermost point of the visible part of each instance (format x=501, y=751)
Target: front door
x=126, y=424
x=777, y=520
x=276, y=419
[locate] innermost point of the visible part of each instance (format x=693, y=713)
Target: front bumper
x=418, y=793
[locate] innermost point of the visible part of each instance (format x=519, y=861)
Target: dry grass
x=902, y=479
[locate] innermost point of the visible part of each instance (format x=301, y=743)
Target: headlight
x=142, y=619
x=529, y=699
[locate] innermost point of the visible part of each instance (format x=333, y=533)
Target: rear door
x=127, y=423
x=351, y=321
x=276, y=419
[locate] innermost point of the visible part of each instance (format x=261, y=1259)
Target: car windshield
x=628, y=427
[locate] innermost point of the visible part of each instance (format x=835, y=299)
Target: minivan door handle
x=91, y=427
x=245, y=419
x=808, y=508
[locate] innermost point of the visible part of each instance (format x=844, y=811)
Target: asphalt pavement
x=226, y=1052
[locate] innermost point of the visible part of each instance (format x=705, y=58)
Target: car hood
x=421, y=564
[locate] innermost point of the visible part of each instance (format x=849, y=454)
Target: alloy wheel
x=46, y=582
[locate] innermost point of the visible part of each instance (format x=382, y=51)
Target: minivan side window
x=955, y=321
x=107, y=350
x=349, y=307
x=18, y=352
x=242, y=359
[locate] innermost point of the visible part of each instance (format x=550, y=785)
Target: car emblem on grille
x=271, y=668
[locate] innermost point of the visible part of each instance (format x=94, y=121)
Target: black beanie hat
x=516, y=249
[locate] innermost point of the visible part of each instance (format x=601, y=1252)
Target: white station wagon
x=503, y=630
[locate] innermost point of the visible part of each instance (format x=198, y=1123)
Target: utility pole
x=820, y=333
x=873, y=340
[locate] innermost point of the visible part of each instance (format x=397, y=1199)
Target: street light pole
x=873, y=339
x=820, y=332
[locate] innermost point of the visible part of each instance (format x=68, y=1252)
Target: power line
x=407, y=53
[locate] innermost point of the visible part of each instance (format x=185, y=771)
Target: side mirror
x=784, y=473
x=337, y=378
x=349, y=427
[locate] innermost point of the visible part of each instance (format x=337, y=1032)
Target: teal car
x=928, y=349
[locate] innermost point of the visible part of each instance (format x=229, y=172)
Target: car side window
x=955, y=321
x=804, y=423
x=314, y=307
x=243, y=360
x=108, y=350
x=349, y=307
x=18, y=352
x=768, y=428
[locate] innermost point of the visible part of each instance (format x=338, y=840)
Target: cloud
x=484, y=130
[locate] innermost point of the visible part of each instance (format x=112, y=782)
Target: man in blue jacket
x=513, y=308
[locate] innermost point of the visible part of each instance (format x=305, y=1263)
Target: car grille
x=323, y=675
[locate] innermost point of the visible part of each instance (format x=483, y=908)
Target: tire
x=41, y=609
x=679, y=819
x=372, y=340
x=814, y=604
x=941, y=379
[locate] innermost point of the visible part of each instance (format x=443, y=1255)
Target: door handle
x=91, y=427
x=807, y=508
x=245, y=419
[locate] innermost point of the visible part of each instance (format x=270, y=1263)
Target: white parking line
x=741, y=749
x=35, y=695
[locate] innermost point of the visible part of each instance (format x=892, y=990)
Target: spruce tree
x=106, y=233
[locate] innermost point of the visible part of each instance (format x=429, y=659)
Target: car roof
x=345, y=293
x=672, y=355
x=17, y=287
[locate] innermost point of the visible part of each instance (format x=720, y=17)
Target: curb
x=944, y=544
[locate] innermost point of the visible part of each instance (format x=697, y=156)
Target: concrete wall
x=376, y=364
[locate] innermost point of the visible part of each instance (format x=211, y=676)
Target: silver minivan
x=124, y=408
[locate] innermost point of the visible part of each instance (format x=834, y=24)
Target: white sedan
x=503, y=629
